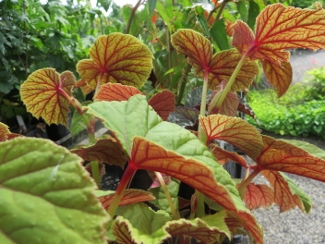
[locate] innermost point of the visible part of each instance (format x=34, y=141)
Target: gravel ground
x=294, y=226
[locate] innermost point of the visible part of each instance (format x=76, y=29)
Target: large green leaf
x=46, y=195
x=157, y=145
x=134, y=118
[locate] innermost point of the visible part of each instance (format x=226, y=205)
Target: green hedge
x=300, y=112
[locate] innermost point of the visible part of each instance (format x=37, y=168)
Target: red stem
x=127, y=176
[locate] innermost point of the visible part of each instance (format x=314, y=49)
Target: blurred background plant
x=36, y=34
x=300, y=112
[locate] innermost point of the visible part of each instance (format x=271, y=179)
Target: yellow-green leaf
x=43, y=94
x=195, y=47
x=117, y=58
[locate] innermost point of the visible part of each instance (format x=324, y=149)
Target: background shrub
x=300, y=112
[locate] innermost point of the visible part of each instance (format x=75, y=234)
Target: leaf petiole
x=127, y=176
x=243, y=185
x=218, y=100
x=200, y=212
x=90, y=124
x=95, y=172
x=175, y=213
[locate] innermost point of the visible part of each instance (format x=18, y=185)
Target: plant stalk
x=200, y=212
x=127, y=176
x=183, y=84
x=134, y=9
x=221, y=8
x=218, y=100
x=175, y=213
x=95, y=172
x=243, y=185
x=90, y=125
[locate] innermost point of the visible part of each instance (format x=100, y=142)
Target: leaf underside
x=41, y=93
x=117, y=58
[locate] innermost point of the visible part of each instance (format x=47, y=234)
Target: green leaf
x=169, y=149
x=130, y=114
x=312, y=149
x=295, y=189
x=206, y=229
x=161, y=201
x=140, y=224
x=117, y=58
x=241, y=6
x=253, y=12
x=151, y=6
x=219, y=34
x=202, y=20
x=77, y=122
x=46, y=195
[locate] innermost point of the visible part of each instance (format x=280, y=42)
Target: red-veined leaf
x=229, y=105
x=223, y=65
x=229, y=27
x=122, y=230
x=206, y=230
x=117, y=58
x=243, y=37
x=282, y=156
x=257, y=195
x=4, y=132
x=163, y=103
x=246, y=221
x=224, y=156
x=220, y=66
x=195, y=47
x=244, y=108
x=105, y=149
x=129, y=196
x=278, y=28
x=233, y=130
x=169, y=149
x=282, y=193
x=116, y=92
x=280, y=77
x=42, y=93
x=150, y=156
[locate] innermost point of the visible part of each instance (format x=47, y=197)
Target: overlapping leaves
x=117, y=58
x=279, y=28
x=219, y=66
x=161, y=146
x=104, y=149
x=129, y=196
x=271, y=156
x=160, y=227
x=162, y=102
